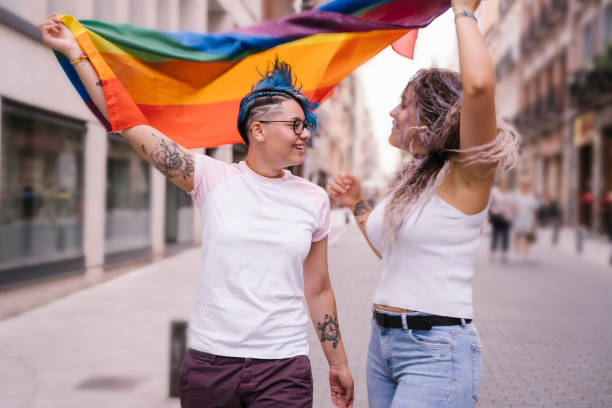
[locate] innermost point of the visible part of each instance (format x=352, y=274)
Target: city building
x=504, y=43
x=590, y=114
x=554, y=85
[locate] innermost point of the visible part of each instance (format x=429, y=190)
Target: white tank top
x=431, y=264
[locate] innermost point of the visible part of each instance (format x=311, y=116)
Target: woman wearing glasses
x=424, y=349
x=264, y=249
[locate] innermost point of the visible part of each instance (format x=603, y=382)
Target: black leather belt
x=416, y=322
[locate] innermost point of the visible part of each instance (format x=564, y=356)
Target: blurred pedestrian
x=549, y=215
x=607, y=209
x=542, y=211
x=500, y=217
x=264, y=247
x=424, y=349
x=524, y=226
x=29, y=201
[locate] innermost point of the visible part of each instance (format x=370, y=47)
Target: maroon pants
x=209, y=381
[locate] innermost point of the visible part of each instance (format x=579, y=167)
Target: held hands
x=57, y=36
x=341, y=386
x=345, y=188
x=468, y=5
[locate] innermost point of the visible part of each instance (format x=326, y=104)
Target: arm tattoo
x=330, y=330
x=99, y=83
x=361, y=207
x=171, y=160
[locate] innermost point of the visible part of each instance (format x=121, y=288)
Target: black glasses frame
x=298, y=124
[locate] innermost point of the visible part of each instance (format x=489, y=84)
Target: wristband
x=465, y=13
x=80, y=59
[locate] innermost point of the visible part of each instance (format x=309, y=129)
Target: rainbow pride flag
x=189, y=85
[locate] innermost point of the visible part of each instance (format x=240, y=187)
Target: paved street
x=546, y=331
x=544, y=324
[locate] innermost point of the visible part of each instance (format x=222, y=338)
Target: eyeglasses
x=297, y=124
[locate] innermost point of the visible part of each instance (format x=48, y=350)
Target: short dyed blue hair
x=277, y=81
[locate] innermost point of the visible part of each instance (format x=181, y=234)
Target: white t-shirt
x=524, y=219
x=256, y=234
x=432, y=261
x=502, y=203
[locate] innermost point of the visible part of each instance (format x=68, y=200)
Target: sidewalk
x=105, y=346
x=595, y=249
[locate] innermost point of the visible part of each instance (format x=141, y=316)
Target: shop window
x=587, y=42
x=585, y=187
x=179, y=215
x=606, y=193
x=608, y=23
x=127, y=198
x=239, y=152
x=41, y=190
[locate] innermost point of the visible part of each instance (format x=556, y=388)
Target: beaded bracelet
x=80, y=59
x=465, y=13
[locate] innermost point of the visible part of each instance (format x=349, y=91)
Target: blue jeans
x=441, y=367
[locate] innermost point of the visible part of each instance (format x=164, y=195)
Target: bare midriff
x=393, y=309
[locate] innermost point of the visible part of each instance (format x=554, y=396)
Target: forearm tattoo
x=170, y=159
x=330, y=330
x=362, y=208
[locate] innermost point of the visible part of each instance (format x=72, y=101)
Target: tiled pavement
x=545, y=327
x=547, y=331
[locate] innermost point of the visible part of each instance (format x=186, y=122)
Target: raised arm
x=346, y=189
x=322, y=305
x=478, y=120
x=174, y=161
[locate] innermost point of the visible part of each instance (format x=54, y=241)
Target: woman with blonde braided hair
x=424, y=348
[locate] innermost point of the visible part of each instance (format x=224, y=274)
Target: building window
x=189, y=18
x=239, y=152
x=41, y=187
x=608, y=23
x=587, y=42
x=127, y=198
x=217, y=19
x=179, y=215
